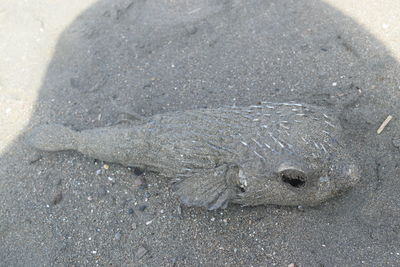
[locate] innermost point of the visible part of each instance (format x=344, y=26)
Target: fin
x=52, y=137
x=211, y=189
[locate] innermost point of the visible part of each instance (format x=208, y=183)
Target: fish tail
x=53, y=137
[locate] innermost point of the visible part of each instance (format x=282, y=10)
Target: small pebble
x=123, y=202
x=212, y=219
x=57, y=198
x=134, y=226
x=59, y=181
x=334, y=84
x=179, y=210
x=292, y=265
x=117, y=236
x=147, y=85
x=74, y=83
x=139, y=182
x=191, y=29
x=142, y=207
x=131, y=211
x=147, y=194
x=143, y=186
x=137, y=171
x=102, y=191
x=140, y=252
x=173, y=261
x=98, y=172
x=149, y=222
x=396, y=142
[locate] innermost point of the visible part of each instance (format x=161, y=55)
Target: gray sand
x=152, y=57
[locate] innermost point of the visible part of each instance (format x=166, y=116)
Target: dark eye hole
x=241, y=189
x=293, y=177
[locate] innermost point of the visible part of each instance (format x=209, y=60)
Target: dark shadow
x=156, y=56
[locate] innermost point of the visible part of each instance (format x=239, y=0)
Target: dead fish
x=272, y=153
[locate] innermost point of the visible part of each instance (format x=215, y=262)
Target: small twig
x=384, y=123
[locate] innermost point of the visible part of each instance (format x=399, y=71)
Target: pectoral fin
x=212, y=189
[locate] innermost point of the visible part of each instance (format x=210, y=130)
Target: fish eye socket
x=294, y=178
x=242, y=189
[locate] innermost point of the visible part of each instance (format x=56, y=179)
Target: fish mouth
x=330, y=187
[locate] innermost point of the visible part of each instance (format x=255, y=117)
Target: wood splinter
x=384, y=123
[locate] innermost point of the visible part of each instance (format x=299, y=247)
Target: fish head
x=294, y=181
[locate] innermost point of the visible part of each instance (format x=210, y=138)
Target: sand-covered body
x=272, y=153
